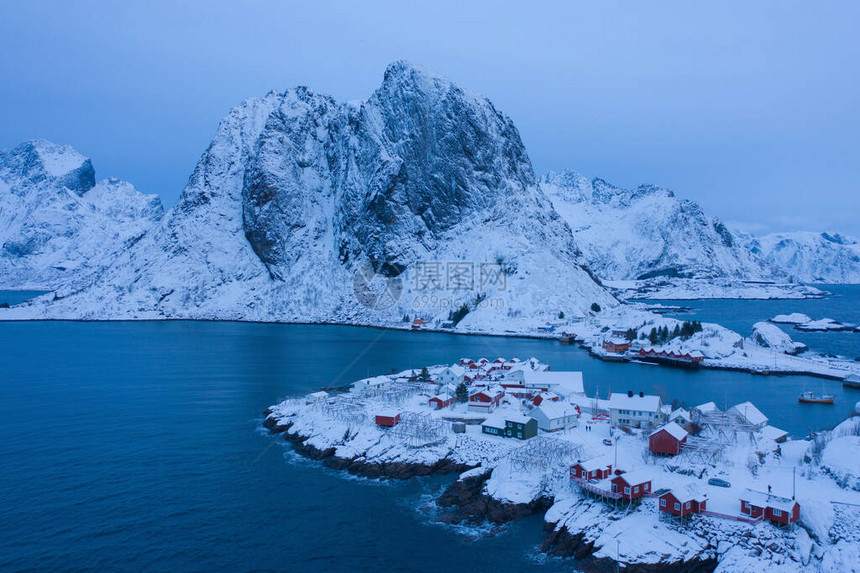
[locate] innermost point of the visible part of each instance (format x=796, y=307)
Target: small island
x=627, y=478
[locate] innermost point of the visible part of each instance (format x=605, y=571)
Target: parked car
x=719, y=482
x=607, y=442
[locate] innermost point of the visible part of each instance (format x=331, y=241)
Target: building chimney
x=630, y=393
x=641, y=394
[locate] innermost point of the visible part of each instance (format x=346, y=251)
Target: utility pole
x=617, y=556
x=793, y=482
x=616, y=454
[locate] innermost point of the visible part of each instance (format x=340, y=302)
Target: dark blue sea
x=138, y=446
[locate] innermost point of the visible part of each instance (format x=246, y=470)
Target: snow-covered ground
x=820, y=473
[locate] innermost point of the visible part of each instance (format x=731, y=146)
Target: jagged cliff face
x=297, y=192
x=647, y=232
x=810, y=257
x=57, y=224
x=386, y=179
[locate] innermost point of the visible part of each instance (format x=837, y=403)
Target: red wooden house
x=545, y=396
x=440, y=402
x=667, y=440
x=387, y=418
x=594, y=468
x=683, y=502
x=486, y=399
x=632, y=485
x=777, y=509
x=616, y=345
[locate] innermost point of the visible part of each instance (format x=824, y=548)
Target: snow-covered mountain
x=647, y=232
x=57, y=224
x=297, y=192
x=810, y=257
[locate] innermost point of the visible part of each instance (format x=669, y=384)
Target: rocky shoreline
x=375, y=470
x=562, y=543
x=466, y=501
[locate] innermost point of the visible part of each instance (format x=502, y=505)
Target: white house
x=747, y=413
x=562, y=383
x=317, y=397
x=552, y=416
x=637, y=410
x=451, y=375
x=371, y=385
x=680, y=417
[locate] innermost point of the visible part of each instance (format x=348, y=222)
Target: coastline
x=762, y=369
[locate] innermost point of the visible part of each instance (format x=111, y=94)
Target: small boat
x=811, y=398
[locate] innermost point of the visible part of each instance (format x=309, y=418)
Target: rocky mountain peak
x=39, y=161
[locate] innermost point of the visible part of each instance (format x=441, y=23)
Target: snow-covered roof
x=554, y=410
x=707, y=407
x=596, y=463
x=682, y=413
x=637, y=476
x=617, y=341
x=569, y=381
x=495, y=421
x=646, y=403
x=674, y=430
x=387, y=412
x=318, y=395
x=517, y=418
x=456, y=370
x=762, y=499
x=772, y=433
x=696, y=354
x=688, y=492
x=749, y=412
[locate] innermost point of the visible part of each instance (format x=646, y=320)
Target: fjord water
x=138, y=446
x=842, y=304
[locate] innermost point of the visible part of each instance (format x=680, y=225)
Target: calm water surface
x=137, y=446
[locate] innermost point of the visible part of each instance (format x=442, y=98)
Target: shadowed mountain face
x=381, y=178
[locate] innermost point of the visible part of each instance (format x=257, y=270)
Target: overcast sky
x=750, y=109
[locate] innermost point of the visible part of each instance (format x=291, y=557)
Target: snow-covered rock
x=768, y=335
x=823, y=325
x=810, y=257
x=648, y=232
x=841, y=458
x=793, y=318
x=57, y=223
x=298, y=192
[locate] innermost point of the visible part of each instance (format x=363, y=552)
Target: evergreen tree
x=424, y=374
x=595, y=307
x=462, y=393
x=561, y=314
x=676, y=332
x=653, y=336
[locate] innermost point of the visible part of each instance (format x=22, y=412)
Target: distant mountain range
x=647, y=232
x=810, y=257
x=299, y=196
x=57, y=223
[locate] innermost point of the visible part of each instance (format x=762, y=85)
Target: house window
x=627, y=490
x=662, y=503
x=777, y=513
x=687, y=505
x=636, y=489
x=647, y=486
x=677, y=506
